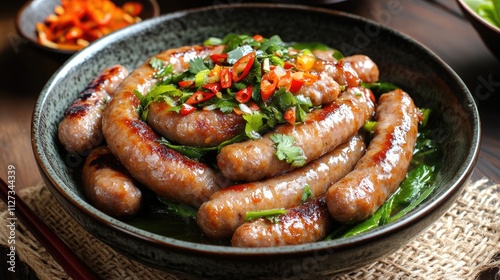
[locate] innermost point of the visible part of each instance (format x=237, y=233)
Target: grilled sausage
x=226, y=209
x=378, y=174
x=366, y=69
x=108, y=185
x=80, y=129
x=323, y=91
x=322, y=131
x=200, y=128
x=135, y=144
x=306, y=223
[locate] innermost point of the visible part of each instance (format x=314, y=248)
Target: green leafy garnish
x=370, y=126
x=271, y=214
x=196, y=65
x=285, y=150
x=189, y=151
x=306, y=194
x=379, y=88
x=179, y=209
x=157, y=63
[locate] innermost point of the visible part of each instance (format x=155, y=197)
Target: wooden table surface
x=439, y=25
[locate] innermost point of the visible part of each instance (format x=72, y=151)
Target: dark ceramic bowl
x=401, y=60
x=489, y=33
x=37, y=10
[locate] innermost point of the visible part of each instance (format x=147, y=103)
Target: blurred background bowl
x=37, y=11
x=489, y=33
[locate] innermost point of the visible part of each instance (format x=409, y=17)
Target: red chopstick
x=69, y=261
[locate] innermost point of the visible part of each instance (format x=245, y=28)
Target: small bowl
x=37, y=11
x=401, y=60
x=489, y=33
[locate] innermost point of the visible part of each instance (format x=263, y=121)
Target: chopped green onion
x=271, y=214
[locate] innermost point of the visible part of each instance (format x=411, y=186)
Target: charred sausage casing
x=80, y=129
x=380, y=171
x=108, y=185
x=226, y=209
x=306, y=223
x=163, y=170
x=323, y=130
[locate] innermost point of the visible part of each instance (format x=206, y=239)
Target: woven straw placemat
x=461, y=245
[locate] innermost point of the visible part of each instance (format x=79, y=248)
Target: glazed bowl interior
x=37, y=11
x=402, y=61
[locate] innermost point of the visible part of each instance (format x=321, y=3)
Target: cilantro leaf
x=285, y=150
x=254, y=124
x=157, y=63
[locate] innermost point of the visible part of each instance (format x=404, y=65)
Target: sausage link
x=163, y=170
x=200, y=128
x=80, y=129
x=323, y=130
x=323, y=91
x=349, y=71
x=108, y=185
x=226, y=209
x=306, y=223
x=378, y=174
x=366, y=69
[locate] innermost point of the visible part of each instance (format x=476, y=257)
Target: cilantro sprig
x=286, y=150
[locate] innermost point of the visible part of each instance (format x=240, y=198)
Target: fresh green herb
x=189, y=151
x=370, y=126
x=425, y=113
x=238, y=53
x=379, y=88
x=489, y=10
x=197, y=65
x=285, y=150
x=157, y=63
x=306, y=194
x=179, y=209
x=212, y=41
x=426, y=150
x=271, y=214
x=254, y=123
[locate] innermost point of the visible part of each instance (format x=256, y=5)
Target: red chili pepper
x=219, y=58
x=285, y=81
x=288, y=65
x=268, y=84
x=213, y=87
x=258, y=38
x=290, y=115
x=199, y=96
x=243, y=66
x=187, y=109
x=186, y=84
x=225, y=77
x=244, y=95
x=296, y=85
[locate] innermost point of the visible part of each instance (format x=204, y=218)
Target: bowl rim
x=474, y=14
x=20, y=17
x=459, y=180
